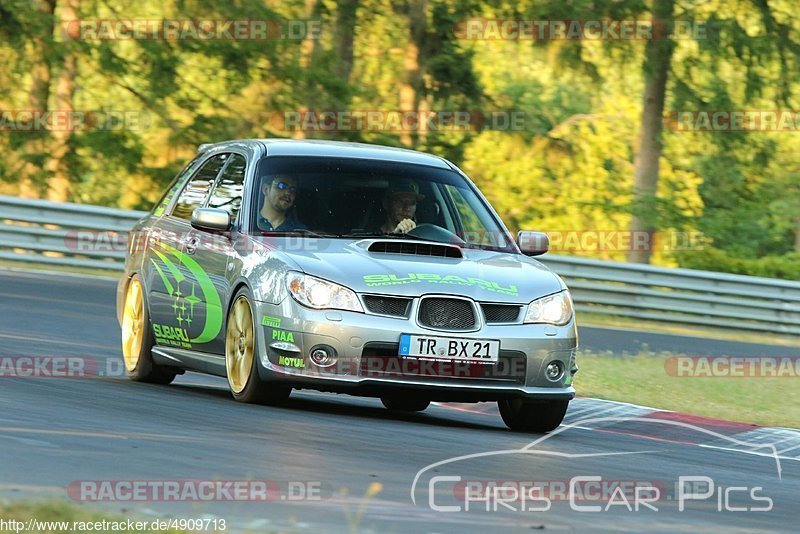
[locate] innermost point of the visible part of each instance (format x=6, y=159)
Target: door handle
x=191, y=245
x=154, y=239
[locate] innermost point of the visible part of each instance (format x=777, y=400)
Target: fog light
x=323, y=356
x=554, y=371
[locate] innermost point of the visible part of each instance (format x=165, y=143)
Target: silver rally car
x=350, y=268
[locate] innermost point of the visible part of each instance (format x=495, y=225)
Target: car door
x=173, y=288
x=212, y=252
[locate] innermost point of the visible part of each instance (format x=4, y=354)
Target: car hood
x=479, y=274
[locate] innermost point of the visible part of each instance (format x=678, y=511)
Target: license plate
x=450, y=348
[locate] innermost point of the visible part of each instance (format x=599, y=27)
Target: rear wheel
x=532, y=416
x=241, y=357
x=405, y=405
x=137, y=339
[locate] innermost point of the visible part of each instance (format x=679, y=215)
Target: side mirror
x=211, y=219
x=533, y=243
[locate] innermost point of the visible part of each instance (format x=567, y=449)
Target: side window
x=177, y=183
x=228, y=192
x=476, y=231
x=198, y=187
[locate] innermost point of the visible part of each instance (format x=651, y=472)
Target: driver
x=400, y=204
x=276, y=213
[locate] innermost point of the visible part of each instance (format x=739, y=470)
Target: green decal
x=374, y=280
x=568, y=381
x=283, y=335
x=184, y=303
x=170, y=332
x=274, y=322
x=164, y=278
x=298, y=363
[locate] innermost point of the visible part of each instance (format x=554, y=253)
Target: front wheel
x=241, y=357
x=532, y=416
x=405, y=405
x=137, y=339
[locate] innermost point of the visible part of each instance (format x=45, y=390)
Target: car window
x=474, y=225
x=227, y=193
x=179, y=181
x=198, y=187
x=349, y=196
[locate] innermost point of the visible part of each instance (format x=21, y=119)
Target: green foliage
x=786, y=266
x=568, y=168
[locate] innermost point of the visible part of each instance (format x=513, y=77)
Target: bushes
x=786, y=267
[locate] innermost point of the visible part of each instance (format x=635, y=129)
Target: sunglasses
x=283, y=186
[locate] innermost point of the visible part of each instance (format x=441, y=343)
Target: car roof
x=341, y=149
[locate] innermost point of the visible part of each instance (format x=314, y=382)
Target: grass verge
x=643, y=379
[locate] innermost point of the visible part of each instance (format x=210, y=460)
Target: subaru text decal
x=375, y=280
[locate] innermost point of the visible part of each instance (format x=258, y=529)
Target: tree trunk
x=658, y=56
x=57, y=166
x=411, y=86
x=345, y=34
x=309, y=51
x=41, y=51
x=40, y=56
x=797, y=235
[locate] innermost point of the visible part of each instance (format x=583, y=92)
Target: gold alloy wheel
x=133, y=325
x=239, y=343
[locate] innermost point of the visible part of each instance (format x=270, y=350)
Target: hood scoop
x=415, y=248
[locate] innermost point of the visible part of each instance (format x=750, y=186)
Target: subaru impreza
x=348, y=268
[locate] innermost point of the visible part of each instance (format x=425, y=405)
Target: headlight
x=555, y=309
x=321, y=294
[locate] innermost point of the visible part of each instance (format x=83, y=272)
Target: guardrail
x=48, y=232
x=40, y=231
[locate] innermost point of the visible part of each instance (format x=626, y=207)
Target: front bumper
x=368, y=364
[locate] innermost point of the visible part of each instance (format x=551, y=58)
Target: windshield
x=346, y=197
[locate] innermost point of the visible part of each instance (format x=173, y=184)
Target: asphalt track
x=54, y=432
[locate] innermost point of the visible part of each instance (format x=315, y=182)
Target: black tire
x=145, y=369
x=405, y=405
x=532, y=416
x=255, y=390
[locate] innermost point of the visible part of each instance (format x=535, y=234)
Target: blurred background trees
x=597, y=153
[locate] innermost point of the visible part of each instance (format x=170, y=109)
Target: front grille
x=447, y=314
x=382, y=361
x=500, y=313
x=416, y=249
x=394, y=306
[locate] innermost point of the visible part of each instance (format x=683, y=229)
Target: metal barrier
x=53, y=233
x=46, y=232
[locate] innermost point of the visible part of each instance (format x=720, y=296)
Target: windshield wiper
x=383, y=234
x=300, y=231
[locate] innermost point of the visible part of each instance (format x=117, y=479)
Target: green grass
x=643, y=379
x=63, y=511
